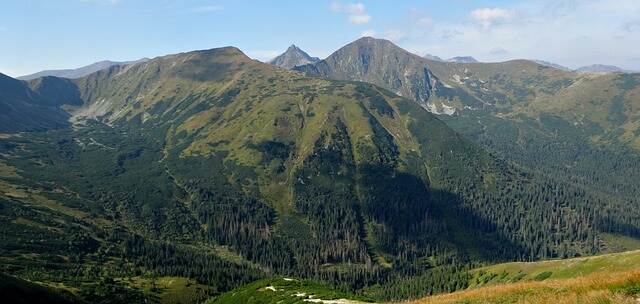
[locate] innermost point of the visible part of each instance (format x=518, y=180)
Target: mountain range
x=594, y=114
x=433, y=57
x=374, y=171
x=601, y=68
x=463, y=59
x=80, y=72
x=552, y=65
x=595, y=68
x=30, y=106
x=459, y=59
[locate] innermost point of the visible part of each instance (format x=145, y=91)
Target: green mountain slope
x=212, y=166
x=19, y=291
x=581, y=128
x=22, y=109
x=555, y=269
x=286, y=290
x=612, y=278
x=576, y=127
x=79, y=72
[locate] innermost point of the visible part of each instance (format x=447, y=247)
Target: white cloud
x=355, y=8
x=489, y=16
x=631, y=26
x=394, y=35
x=614, y=5
x=447, y=34
x=359, y=19
x=498, y=51
x=569, y=32
x=425, y=22
x=368, y=33
x=356, y=12
x=351, y=8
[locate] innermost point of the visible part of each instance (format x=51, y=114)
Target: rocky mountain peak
x=292, y=57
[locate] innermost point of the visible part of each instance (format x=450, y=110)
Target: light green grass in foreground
x=555, y=269
x=283, y=291
x=170, y=290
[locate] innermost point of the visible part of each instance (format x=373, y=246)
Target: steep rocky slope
x=293, y=57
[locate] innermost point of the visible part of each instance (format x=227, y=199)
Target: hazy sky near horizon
x=54, y=34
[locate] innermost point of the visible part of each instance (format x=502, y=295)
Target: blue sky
x=53, y=34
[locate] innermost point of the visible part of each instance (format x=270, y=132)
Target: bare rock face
x=293, y=57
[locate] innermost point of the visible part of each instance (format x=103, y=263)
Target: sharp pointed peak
x=294, y=48
x=292, y=57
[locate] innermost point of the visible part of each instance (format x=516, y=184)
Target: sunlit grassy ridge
x=170, y=290
x=612, y=278
x=556, y=269
x=613, y=288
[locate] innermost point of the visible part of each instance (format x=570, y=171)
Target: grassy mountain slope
x=604, y=106
x=555, y=269
x=79, y=72
x=612, y=278
x=22, y=109
x=580, y=128
x=212, y=166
